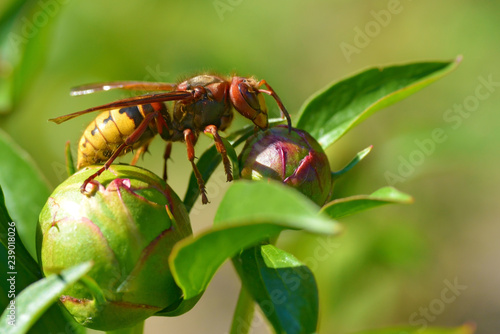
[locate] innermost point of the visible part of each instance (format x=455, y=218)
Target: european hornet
x=201, y=103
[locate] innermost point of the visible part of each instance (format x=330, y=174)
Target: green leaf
x=24, y=187
x=238, y=225
x=271, y=202
x=350, y=205
x=33, y=301
x=465, y=329
x=284, y=288
x=360, y=156
x=11, y=241
x=330, y=113
x=183, y=306
x=194, y=261
x=23, y=46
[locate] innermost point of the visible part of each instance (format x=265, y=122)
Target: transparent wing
x=129, y=85
x=129, y=102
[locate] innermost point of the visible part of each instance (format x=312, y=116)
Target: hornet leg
x=166, y=156
x=270, y=91
x=190, y=140
x=219, y=145
x=141, y=151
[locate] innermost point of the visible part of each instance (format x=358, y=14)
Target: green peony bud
x=127, y=227
x=295, y=158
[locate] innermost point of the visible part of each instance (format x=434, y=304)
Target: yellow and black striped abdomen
x=109, y=130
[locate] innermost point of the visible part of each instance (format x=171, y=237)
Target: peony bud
x=127, y=226
x=295, y=158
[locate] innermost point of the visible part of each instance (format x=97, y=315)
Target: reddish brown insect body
x=202, y=103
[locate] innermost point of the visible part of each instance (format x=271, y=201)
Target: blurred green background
x=392, y=266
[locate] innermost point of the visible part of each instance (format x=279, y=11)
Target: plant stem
x=137, y=329
x=243, y=314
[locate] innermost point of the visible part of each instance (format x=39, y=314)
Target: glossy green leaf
x=24, y=264
x=194, y=261
x=33, y=301
x=24, y=187
x=183, y=306
x=15, y=258
x=465, y=329
x=332, y=112
x=271, y=202
x=284, y=288
x=360, y=156
x=238, y=225
x=350, y=205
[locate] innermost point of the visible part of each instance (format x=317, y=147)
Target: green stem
x=137, y=329
x=243, y=314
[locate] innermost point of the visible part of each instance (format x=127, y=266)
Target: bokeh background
x=392, y=265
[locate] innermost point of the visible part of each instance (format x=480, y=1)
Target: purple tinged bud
x=294, y=158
